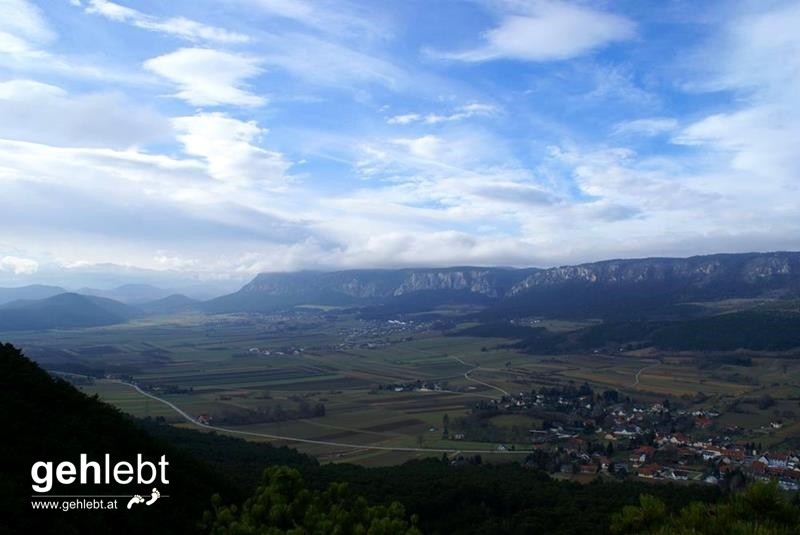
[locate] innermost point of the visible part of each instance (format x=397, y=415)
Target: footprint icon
x=153, y=497
x=136, y=499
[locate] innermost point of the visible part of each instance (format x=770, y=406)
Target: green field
x=218, y=366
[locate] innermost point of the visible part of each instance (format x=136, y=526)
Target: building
x=642, y=455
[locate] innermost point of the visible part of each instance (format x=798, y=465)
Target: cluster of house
x=204, y=419
x=645, y=441
x=414, y=386
x=678, y=457
x=373, y=334
x=279, y=352
x=674, y=457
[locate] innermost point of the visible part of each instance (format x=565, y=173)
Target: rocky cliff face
x=776, y=269
x=359, y=284
x=479, y=281
x=714, y=276
x=365, y=284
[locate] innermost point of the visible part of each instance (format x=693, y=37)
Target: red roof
x=739, y=455
x=758, y=467
x=704, y=422
x=649, y=469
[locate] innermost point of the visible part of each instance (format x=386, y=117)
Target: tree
x=760, y=509
x=283, y=505
x=649, y=515
x=765, y=402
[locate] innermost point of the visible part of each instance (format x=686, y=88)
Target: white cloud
x=208, y=77
x=34, y=111
x=102, y=205
x=438, y=248
x=22, y=27
x=333, y=17
x=177, y=26
x=227, y=145
x=446, y=190
x=19, y=266
x=759, y=141
x=549, y=30
x=620, y=175
x=762, y=53
x=755, y=142
x=616, y=83
x=406, y=118
x=20, y=89
x=174, y=262
x=462, y=112
x=25, y=36
x=291, y=9
x=651, y=126
x=428, y=147
x=94, y=168
x=327, y=63
x=430, y=154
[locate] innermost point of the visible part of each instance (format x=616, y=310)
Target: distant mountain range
x=103, y=276
x=269, y=291
x=613, y=289
x=171, y=304
x=34, y=291
x=72, y=310
x=64, y=311
x=608, y=288
x=130, y=293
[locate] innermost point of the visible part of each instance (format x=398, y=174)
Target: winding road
x=468, y=378
x=639, y=373
x=193, y=421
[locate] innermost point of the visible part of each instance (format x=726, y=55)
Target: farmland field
x=357, y=386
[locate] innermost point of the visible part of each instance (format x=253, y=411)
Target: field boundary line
x=193, y=421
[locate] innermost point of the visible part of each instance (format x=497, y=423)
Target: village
x=588, y=433
x=650, y=441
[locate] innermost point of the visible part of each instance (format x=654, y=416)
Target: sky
x=216, y=140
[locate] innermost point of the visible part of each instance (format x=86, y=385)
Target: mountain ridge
x=572, y=290
x=31, y=291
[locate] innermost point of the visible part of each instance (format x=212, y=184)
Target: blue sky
x=220, y=139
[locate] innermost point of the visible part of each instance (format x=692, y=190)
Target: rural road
x=639, y=373
x=468, y=378
x=191, y=420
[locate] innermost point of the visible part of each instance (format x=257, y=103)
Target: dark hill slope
x=172, y=304
x=67, y=310
x=49, y=420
